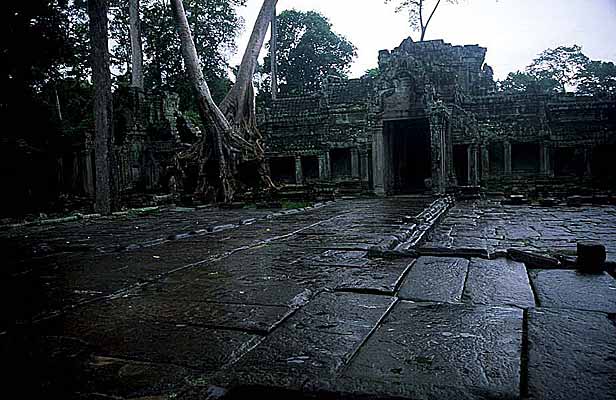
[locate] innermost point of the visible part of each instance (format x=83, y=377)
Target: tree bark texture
x=273, y=55
x=230, y=155
x=215, y=177
x=103, y=105
x=135, y=44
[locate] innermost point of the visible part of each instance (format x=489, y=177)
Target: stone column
x=470, y=167
x=587, y=161
x=365, y=164
x=507, y=157
x=485, y=162
x=299, y=176
x=324, y=166
x=544, y=157
x=354, y=163
x=378, y=161
x=88, y=177
x=473, y=165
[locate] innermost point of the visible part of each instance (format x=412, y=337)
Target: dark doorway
x=340, y=162
x=460, y=163
x=525, y=157
x=282, y=169
x=568, y=161
x=408, y=147
x=602, y=162
x=310, y=167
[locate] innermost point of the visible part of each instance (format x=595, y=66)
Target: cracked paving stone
x=439, y=279
x=311, y=345
x=379, y=276
x=440, y=351
x=571, y=355
x=575, y=290
x=498, y=282
x=136, y=338
x=180, y=311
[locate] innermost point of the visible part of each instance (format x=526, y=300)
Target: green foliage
x=562, y=68
x=562, y=65
x=523, y=81
x=372, y=73
x=215, y=26
x=308, y=51
x=597, y=78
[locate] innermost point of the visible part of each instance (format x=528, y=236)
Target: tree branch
x=423, y=31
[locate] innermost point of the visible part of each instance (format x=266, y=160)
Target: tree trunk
x=239, y=107
x=424, y=28
x=230, y=155
x=58, y=105
x=237, y=104
x=273, y=55
x=135, y=45
x=103, y=106
x=215, y=176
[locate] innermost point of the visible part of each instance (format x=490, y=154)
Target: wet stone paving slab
x=211, y=303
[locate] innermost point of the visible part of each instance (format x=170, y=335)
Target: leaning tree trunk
x=135, y=45
x=215, y=176
x=231, y=154
x=103, y=106
x=239, y=105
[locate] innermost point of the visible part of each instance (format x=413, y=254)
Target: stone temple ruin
x=433, y=120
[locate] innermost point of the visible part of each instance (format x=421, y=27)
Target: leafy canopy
x=562, y=65
x=597, y=78
x=308, y=51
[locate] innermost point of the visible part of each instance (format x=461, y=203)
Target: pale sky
x=514, y=31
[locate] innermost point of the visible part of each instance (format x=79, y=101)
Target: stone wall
x=476, y=135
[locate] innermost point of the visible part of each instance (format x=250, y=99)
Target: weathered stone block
x=571, y=289
x=440, y=351
x=498, y=282
x=435, y=279
x=571, y=355
x=590, y=256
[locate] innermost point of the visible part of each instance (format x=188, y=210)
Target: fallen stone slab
x=575, y=290
x=439, y=279
x=498, y=282
x=439, y=351
x=533, y=260
x=311, y=345
x=571, y=355
x=382, y=277
x=377, y=252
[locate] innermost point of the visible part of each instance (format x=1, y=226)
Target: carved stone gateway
x=431, y=120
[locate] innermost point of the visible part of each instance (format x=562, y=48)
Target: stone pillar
x=299, y=176
x=507, y=157
x=378, y=161
x=470, y=167
x=354, y=163
x=485, y=162
x=473, y=165
x=324, y=166
x=587, y=161
x=545, y=163
x=88, y=173
x=365, y=164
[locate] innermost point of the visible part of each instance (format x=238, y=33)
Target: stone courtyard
x=401, y=297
